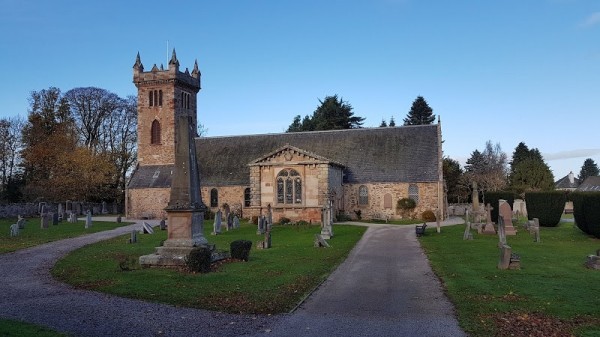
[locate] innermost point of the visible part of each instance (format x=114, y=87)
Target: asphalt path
x=384, y=288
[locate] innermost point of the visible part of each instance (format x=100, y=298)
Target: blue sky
x=506, y=71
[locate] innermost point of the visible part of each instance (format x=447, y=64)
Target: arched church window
x=289, y=187
x=247, y=197
x=214, y=198
x=363, y=195
x=413, y=192
x=155, y=97
x=160, y=98
x=155, y=132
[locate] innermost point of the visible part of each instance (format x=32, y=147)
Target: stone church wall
x=377, y=208
x=147, y=203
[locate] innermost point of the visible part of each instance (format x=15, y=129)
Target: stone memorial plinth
x=185, y=211
x=489, y=225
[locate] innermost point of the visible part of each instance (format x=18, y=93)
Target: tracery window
x=289, y=187
x=363, y=195
x=413, y=192
x=155, y=132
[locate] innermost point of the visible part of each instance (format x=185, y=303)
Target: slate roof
x=565, y=183
x=369, y=155
x=590, y=184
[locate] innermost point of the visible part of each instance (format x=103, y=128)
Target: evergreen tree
x=488, y=168
x=529, y=171
x=383, y=124
x=589, y=169
x=453, y=178
x=332, y=114
x=420, y=113
x=392, y=121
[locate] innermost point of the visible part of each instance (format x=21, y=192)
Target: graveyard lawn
x=33, y=235
x=10, y=328
x=274, y=280
x=553, y=294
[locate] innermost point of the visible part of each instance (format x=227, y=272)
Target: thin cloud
x=579, y=153
x=592, y=20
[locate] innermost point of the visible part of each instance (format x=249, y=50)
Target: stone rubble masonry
x=148, y=203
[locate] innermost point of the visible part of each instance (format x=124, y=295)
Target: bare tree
x=10, y=145
x=488, y=168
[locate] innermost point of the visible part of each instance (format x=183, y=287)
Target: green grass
x=552, y=282
x=394, y=222
x=272, y=281
x=33, y=235
x=11, y=328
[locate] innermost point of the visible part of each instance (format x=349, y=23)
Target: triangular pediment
x=290, y=154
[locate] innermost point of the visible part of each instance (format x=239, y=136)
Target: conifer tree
x=589, y=169
x=420, y=113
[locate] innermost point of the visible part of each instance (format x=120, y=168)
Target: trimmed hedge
x=493, y=197
x=546, y=206
x=198, y=261
x=240, y=249
x=586, y=210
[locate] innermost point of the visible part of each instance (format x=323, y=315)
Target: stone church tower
x=163, y=95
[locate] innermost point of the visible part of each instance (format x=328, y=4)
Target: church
x=359, y=172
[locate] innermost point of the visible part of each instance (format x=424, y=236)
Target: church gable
x=288, y=154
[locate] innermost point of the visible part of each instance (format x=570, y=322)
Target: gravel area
x=384, y=288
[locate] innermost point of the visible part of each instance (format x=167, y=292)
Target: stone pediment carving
x=289, y=154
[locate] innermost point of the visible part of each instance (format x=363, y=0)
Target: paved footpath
x=384, y=288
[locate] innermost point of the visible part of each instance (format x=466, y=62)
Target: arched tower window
x=289, y=187
x=363, y=195
x=155, y=132
x=160, y=98
x=214, y=198
x=247, y=197
x=413, y=192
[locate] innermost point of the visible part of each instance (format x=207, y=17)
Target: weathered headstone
x=226, y=212
x=326, y=227
x=21, y=222
x=217, y=223
x=269, y=215
x=68, y=206
x=54, y=218
x=163, y=225
x=468, y=235
x=320, y=241
x=475, y=198
x=14, y=230
x=119, y=219
x=61, y=212
x=146, y=228
x=133, y=238
x=88, y=219
x=489, y=225
x=44, y=221
x=230, y=221
x=104, y=209
x=73, y=218
x=266, y=244
x=236, y=222
x=534, y=229
x=505, y=213
x=261, y=225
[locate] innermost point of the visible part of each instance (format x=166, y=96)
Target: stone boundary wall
x=31, y=209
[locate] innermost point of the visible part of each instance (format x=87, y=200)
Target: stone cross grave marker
x=326, y=227
x=489, y=225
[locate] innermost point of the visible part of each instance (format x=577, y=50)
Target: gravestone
x=261, y=225
x=467, y=234
x=44, y=221
x=269, y=216
x=326, y=227
x=14, y=230
x=217, y=223
x=72, y=218
x=320, y=241
x=236, y=222
x=61, y=212
x=54, y=219
x=104, y=208
x=68, y=206
x=115, y=208
x=475, y=198
x=508, y=260
x=593, y=261
x=146, y=228
x=133, y=238
x=534, y=229
x=505, y=213
x=489, y=225
x=21, y=222
x=230, y=221
x=162, y=225
x=119, y=219
x=78, y=208
x=88, y=219
x=266, y=244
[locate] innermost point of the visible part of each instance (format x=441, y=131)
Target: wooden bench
x=420, y=229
